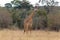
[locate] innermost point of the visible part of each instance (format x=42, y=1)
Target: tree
x=49, y=5
x=18, y=10
x=8, y=5
x=21, y=4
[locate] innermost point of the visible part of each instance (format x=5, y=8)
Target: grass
x=7, y=34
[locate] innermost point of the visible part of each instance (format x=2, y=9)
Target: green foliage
x=41, y=12
x=19, y=10
x=43, y=15
x=23, y=8
x=8, y=5
x=21, y=4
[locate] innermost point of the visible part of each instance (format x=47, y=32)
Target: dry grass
x=35, y=35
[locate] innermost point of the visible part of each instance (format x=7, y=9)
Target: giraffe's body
x=28, y=22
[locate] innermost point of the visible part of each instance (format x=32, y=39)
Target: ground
x=34, y=35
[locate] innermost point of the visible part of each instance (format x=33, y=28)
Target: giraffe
x=28, y=21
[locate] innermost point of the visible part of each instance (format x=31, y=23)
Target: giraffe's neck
x=32, y=14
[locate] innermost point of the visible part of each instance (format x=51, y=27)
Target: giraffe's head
x=36, y=8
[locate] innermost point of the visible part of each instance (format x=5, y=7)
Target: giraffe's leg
x=30, y=28
x=25, y=28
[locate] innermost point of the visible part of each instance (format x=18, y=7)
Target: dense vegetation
x=47, y=16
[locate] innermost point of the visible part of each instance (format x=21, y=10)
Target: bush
x=54, y=20
x=5, y=19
